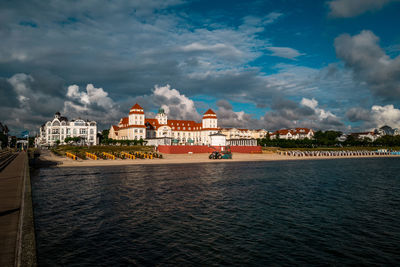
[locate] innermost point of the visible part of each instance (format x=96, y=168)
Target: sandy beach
x=47, y=156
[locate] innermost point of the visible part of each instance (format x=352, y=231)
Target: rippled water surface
x=296, y=212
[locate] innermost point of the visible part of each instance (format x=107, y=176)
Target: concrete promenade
x=17, y=238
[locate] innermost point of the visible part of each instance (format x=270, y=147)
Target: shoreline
x=62, y=162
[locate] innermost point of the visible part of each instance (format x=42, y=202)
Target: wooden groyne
x=17, y=235
x=341, y=153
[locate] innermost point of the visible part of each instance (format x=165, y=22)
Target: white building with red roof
x=294, y=134
x=160, y=128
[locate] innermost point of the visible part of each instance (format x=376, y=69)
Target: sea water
x=315, y=212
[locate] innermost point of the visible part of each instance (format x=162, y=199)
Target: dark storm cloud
x=128, y=47
x=370, y=64
x=358, y=114
x=289, y=114
x=8, y=98
x=352, y=8
x=224, y=104
x=291, y=110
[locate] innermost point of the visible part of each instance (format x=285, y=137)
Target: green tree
x=104, y=137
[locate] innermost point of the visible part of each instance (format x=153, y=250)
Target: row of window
x=136, y=137
x=57, y=137
x=68, y=131
x=63, y=123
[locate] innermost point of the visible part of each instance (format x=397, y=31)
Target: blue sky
x=260, y=64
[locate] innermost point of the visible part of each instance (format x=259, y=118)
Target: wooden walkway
x=14, y=184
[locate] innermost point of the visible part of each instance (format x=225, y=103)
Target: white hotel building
x=154, y=130
x=60, y=128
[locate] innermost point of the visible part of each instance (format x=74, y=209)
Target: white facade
x=218, y=139
x=60, y=128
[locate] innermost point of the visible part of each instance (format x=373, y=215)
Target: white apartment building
x=60, y=128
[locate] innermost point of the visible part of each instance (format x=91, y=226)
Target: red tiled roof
x=292, y=131
x=302, y=130
x=132, y=126
x=282, y=132
x=124, y=121
x=115, y=127
x=194, y=126
x=152, y=123
x=209, y=114
x=210, y=111
x=136, y=106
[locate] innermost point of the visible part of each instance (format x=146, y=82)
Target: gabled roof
x=136, y=106
x=151, y=123
x=124, y=121
x=116, y=128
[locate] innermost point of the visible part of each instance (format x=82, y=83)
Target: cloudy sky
x=259, y=64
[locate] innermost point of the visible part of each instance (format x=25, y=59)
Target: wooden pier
x=17, y=235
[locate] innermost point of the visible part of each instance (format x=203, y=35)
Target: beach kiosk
x=218, y=139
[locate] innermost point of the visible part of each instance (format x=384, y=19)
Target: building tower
x=136, y=115
x=210, y=120
x=161, y=117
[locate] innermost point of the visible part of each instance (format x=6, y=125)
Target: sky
x=269, y=64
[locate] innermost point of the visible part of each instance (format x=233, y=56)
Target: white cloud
x=92, y=104
x=20, y=83
x=313, y=104
x=174, y=103
x=388, y=115
x=92, y=96
x=285, y=52
x=376, y=117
